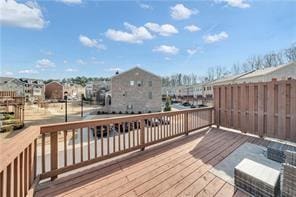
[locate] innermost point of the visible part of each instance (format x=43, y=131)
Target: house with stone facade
x=134, y=91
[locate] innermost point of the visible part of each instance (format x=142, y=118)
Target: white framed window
x=132, y=83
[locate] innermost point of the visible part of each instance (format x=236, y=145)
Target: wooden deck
x=179, y=167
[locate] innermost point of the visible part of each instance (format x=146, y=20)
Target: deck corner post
x=186, y=123
x=142, y=134
x=54, y=153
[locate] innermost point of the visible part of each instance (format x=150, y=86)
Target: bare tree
x=290, y=53
x=236, y=68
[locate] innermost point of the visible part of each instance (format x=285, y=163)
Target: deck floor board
x=176, y=168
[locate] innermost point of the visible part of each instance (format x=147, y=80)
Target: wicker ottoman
x=257, y=179
x=276, y=151
x=289, y=181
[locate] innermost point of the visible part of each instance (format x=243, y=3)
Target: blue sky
x=65, y=38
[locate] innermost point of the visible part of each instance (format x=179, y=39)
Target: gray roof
x=266, y=71
x=231, y=78
x=135, y=69
x=5, y=79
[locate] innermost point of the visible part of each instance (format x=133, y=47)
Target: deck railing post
x=186, y=122
x=142, y=133
x=54, y=152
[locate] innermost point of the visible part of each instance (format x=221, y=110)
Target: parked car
x=202, y=105
x=99, y=129
x=192, y=106
x=186, y=104
x=164, y=120
x=126, y=125
x=152, y=122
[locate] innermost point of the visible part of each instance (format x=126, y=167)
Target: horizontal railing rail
x=54, y=149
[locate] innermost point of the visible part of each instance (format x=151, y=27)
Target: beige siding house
x=134, y=91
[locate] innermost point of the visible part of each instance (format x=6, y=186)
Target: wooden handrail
x=77, y=124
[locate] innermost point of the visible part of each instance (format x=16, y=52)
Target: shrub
x=167, y=104
x=139, y=112
x=113, y=112
x=120, y=112
x=132, y=112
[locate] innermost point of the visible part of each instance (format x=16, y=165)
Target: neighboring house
x=34, y=89
x=135, y=90
x=281, y=72
x=74, y=90
x=96, y=90
x=12, y=84
x=54, y=91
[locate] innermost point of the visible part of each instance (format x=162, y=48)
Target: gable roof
x=56, y=82
x=135, y=68
x=269, y=70
x=230, y=78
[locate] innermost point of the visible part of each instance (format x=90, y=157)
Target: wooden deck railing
x=67, y=146
x=7, y=93
x=18, y=165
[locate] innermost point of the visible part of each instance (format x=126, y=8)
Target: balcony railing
x=48, y=151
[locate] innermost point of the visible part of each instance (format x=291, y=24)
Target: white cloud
x=135, y=34
x=28, y=71
x=145, y=6
x=65, y=62
x=166, y=49
x=180, y=12
x=80, y=61
x=167, y=58
x=113, y=69
x=71, y=70
x=236, y=3
x=88, y=42
x=71, y=1
x=7, y=73
x=192, y=28
x=27, y=15
x=45, y=63
x=216, y=37
x=192, y=51
x=163, y=30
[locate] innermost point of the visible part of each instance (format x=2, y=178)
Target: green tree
x=168, y=104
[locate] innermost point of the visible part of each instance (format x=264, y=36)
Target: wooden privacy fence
x=265, y=108
x=59, y=148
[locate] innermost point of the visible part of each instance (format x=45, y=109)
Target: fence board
x=264, y=109
x=293, y=110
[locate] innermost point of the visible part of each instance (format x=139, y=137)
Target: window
x=150, y=83
x=150, y=95
x=129, y=107
x=132, y=83
x=139, y=83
